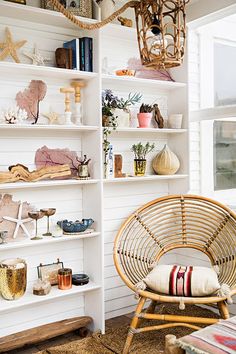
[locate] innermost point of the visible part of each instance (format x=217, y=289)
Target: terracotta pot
x=144, y=120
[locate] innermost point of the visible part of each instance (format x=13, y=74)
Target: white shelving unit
x=144, y=179
x=108, y=202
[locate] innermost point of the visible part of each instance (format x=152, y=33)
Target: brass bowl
x=48, y=211
x=36, y=215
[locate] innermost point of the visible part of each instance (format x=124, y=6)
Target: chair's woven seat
x=174, y=222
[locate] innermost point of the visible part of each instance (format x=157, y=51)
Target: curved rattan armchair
x=169, y=223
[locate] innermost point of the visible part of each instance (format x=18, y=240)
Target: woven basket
x=83, y=8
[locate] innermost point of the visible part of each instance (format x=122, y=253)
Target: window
x=224, y=141
x=224, y=73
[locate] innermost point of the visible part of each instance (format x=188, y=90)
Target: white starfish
x=36, y=57
x=19, y=222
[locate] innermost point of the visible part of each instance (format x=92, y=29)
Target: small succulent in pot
x=83, y=170
x=140, y=152
x=109, y=104
x=145, y=115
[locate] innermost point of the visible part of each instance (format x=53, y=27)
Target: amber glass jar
x=64, y=278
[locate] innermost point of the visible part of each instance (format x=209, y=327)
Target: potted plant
x=140, y=152
x=115, y=110
x=109, y=104
x=122, y=111
x=145, y=115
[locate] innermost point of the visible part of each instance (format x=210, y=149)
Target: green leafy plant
x=146, y=108
x=140, y=151
x=131, y=100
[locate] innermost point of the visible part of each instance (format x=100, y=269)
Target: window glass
x=224, y=155
x=225, y=73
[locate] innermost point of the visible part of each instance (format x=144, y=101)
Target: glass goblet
x=48, y=212
x=36, y=215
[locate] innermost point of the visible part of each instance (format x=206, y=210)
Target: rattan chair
x=170, y=223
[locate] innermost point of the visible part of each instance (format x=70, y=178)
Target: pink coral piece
x=51, y=157
x=144, y=73
x=30, y=98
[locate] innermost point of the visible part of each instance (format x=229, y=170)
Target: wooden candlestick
x=77, y=85
x=67, y=91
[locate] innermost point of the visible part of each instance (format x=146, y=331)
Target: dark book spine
x=88, y=53
x=91, y=54
x=82, y=54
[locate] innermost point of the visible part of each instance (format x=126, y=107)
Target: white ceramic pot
x=107, y=8
x=166, y=162
x=123, y=118
x=175, y=121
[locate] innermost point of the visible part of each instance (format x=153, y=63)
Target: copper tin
x=64, y=278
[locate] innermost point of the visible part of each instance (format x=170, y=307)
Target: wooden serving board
x=41, y=333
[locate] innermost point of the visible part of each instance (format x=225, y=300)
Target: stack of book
x=82, y=53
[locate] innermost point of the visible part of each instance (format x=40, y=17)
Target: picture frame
x=50, y=271
x=83, y=8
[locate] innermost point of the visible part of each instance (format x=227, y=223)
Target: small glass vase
x=140, y=167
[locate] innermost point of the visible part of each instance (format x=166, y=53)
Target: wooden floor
x=112, y=323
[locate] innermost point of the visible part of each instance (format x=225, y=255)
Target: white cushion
x=178, y=280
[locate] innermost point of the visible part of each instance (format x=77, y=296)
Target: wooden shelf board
x=13, y=69
x=149, y=130
x=145, y=178
x=38, y=15
x=120, y=32
x=30, y=299
x=56, y=127
x=47, y=183
x=139, y=82
x=46, y=240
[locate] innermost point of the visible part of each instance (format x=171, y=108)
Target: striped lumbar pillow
x=176, y=280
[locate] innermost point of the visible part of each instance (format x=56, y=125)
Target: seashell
x=166, y=162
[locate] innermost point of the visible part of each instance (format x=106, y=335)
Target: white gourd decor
x=166, y=162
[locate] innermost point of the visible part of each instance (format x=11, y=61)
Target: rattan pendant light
x=161, y=29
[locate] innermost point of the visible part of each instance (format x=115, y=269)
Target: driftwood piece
x=41, y=333
x=10, y=208
x=157, y=116
x=54, y=157
x=21, y=173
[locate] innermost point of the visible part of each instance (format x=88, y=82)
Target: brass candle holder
x=48, y=212
x=36, y=215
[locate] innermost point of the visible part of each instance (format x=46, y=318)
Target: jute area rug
x=145, y=343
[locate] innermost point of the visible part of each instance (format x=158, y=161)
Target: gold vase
x=140, y=167
x=13, y=278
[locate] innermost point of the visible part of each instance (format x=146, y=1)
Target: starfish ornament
x=9, y=48
x=19, y=222
x=53, y=117
x=36, y=57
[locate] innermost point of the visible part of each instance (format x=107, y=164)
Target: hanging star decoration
x=9, y=48
x=52, y=117
x=36, y=57
x=19, y=222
